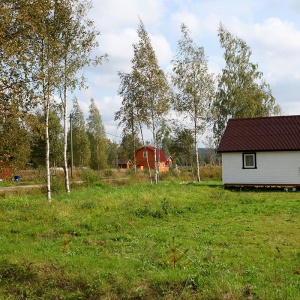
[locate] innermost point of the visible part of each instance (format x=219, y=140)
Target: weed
x=175, y=255
x=142, y=212
x=66, y=242
x=89, y=176
x=109, y=173
x=165, y=206
x=57, y=184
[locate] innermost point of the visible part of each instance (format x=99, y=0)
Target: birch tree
x=151, y=86
x=44, y=56
x=43, y=45
x=17, y=98
x=78, y=39
x=129, y=115
x=242, y=92
x=194, y=87
x=16, y=83
x=55, y=139
x=36, y=35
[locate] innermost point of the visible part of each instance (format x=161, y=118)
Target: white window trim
x=254, y=166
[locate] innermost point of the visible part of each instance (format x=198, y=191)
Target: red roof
x=261, y=134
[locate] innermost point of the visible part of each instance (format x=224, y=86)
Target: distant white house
x=261, y=152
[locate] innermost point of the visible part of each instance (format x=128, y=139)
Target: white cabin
x=261, y=152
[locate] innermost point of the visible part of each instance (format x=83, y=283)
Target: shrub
x=89, y=176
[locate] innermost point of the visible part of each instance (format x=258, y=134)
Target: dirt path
x=36, y=186
x=20, y=187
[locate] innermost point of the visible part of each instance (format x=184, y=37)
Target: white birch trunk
x=66, y=172
x=149, y=169
x=155, y=161
x=46, y=98
x=155, y=147
x=197, y=159
x=48, y=175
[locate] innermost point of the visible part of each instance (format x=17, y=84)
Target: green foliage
x=151, y=86
x=14, y=140
x=89, y=176
x=242, y=92
x=81, y=144
x=145, y=91
x=128, y=146
x=109, y=173
x=129, y=115
x=38, y=147
x=43, y=46
x=153, y=90
x=194, y=87
x=182, y=144
x=112, y=149
x=16, y=89
x=168, y=241
x=97, y=137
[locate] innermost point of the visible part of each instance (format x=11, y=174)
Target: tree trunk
x=155, y=144
x=150, y=177
x=197, y=159
x=66, y=172
x=46, y=99
x=155, y=161
x=48, y=175
x=134, y=145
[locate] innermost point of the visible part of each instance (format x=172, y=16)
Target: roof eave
x=256, y=150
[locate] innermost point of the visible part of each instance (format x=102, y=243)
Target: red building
x=145, y=152
x=5, y=166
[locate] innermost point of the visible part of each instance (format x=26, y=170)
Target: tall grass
x=142, y=241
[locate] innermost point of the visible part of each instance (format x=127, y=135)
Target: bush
x=89, y=176
x=57, y=184
x=109, y=173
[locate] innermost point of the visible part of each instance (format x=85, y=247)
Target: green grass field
x=142, y=241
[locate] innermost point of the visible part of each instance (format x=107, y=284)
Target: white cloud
x=162, y=49
x=189, y=19
x=109, y=105
x=120, y=44
x=278, y=43
x=111, y=15
x=277, y=36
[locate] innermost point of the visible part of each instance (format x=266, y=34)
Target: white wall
x=282, y=167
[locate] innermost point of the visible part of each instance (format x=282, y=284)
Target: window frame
x=254, y=166
x=145, y=154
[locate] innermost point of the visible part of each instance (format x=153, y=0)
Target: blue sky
x=270, y=27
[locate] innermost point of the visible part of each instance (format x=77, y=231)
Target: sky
x=271, y=28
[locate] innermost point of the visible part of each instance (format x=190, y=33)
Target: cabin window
x=249, y=160
x=145, y=154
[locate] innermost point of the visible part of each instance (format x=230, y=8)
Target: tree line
x=44, y=46
x=202, y=101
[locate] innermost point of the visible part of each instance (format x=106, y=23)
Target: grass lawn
x=142, y=241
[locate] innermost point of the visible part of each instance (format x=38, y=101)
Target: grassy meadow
x=174, y=240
